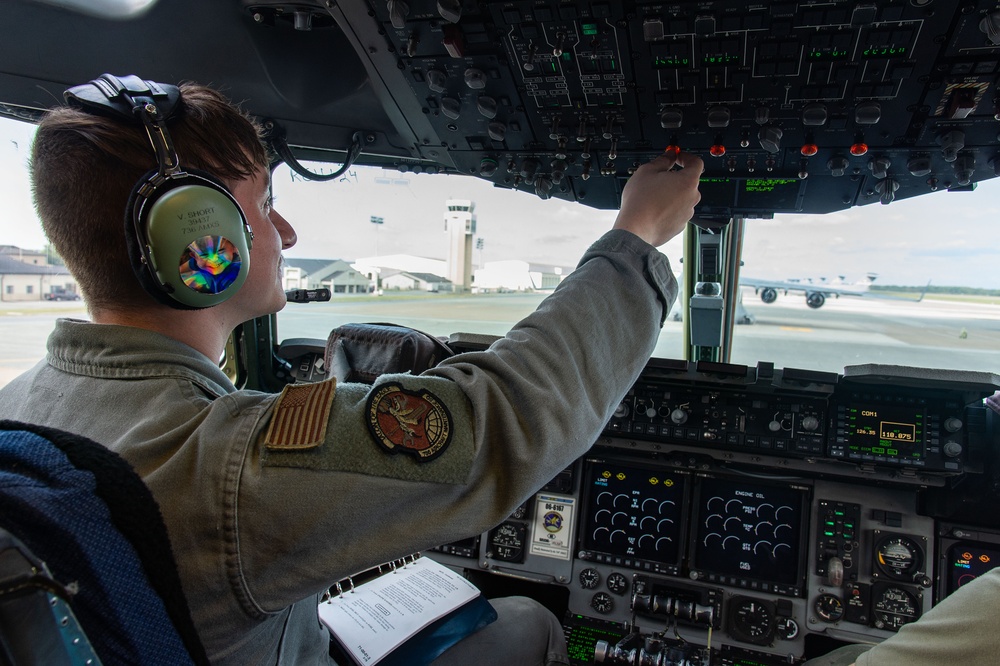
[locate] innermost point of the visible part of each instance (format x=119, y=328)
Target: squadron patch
x=411, y=422
x=301, y=416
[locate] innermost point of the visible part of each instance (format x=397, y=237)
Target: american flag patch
x=300, y=416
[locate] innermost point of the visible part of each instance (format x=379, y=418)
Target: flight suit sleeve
x=387, y=479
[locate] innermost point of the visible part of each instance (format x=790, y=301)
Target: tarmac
x=847, y=331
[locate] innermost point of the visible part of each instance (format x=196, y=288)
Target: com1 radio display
x=879, y=430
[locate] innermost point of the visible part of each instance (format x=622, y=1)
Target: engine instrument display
x=750, y=535
x=885, y=431
x=635, y=514
x=968, y=561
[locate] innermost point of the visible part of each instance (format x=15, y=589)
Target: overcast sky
x=948, y=238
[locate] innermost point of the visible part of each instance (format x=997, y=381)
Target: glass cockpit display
x=881, y=430
x=635, y=513
x=968, y=561
x=750, y=532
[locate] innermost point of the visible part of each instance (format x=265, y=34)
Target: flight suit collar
x=124, y=352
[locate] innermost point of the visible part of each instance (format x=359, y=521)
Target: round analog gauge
x=752, y=621
x=520, y=512
x=507, y=542
x=602, y=603
x=898, y=557
x=829, y=608
x=590, y=578
x=787, y=628
x=893, y=607
x=617, y=583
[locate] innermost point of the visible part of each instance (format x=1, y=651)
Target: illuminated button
x=672, y=150
x=859, y=149
x=717, y=150
x=809, y=149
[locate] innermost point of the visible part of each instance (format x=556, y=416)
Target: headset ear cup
x=136, y=241
x=188, y=240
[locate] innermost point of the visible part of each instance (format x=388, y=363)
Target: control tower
x=460, y=223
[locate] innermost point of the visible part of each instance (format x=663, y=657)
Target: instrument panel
x=753, y=515
x=795, y=106
x=764, y=525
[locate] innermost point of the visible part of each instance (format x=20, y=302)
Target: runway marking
x=800, y=329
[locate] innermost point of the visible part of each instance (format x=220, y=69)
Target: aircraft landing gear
x=815, y=300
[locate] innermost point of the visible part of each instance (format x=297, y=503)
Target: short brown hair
x=84, y=166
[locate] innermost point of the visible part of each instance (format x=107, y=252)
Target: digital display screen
x=582, y=634
x=880, y=430
x=968, y=561
x=634, y=512
x=749, y=531
x=717, y=192
x=769, y=193
x=759, y=194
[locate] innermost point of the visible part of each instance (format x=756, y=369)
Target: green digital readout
x=589, y=29
x=664, y=62
x=826, y=55
x=720, y=59
x=767, y=184
x=885, y=52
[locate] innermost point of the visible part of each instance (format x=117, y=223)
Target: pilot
x=270, y=498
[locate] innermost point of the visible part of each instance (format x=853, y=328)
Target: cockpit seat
x=81, y=509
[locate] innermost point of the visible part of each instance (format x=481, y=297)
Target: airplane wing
x=817, y=291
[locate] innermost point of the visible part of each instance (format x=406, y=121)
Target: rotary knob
x=543, y=187
x=450, y=10
x=436, y=80
x=718, y=116
x=451, y=107
x=880, y=167
x=488, y=167
x=951, y=142
x=398, y=11
x=810, y=423
x=475, y=79
x=770, y=138
x=952, y=424
x=497, y=131
x=671, y=118
x=918, y=166
x=487, y=106
x=837, y=166
x=952, y=449
x=679, y=416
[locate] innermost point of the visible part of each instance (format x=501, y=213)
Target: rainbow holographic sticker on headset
x=210, y=264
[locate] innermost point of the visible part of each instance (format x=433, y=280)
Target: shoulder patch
x=414, y=422
x=301, y=415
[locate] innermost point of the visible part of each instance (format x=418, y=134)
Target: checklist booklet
x=409, y=614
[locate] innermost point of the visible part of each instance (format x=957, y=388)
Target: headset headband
x=134, y=100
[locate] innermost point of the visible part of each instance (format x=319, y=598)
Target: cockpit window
x=898, y=284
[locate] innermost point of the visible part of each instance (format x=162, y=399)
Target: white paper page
x=375, y=618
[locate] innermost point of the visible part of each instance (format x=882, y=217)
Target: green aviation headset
x=188, y=239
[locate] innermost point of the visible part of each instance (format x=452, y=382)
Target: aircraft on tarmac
x=815, y=290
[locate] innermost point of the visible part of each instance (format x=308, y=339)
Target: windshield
x=902, y=285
